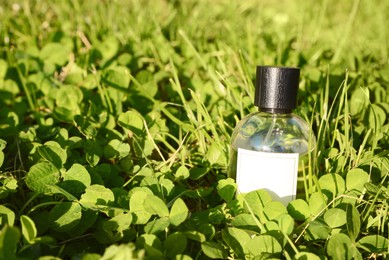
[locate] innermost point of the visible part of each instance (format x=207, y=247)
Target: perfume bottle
x=266, y=146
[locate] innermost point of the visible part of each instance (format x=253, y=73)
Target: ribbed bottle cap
x=276, y=88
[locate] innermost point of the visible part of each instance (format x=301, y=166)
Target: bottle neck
x=275, y=111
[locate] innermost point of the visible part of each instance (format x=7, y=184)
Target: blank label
x=275, y=172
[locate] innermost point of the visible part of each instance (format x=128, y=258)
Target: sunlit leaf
x=69, y=97
x=247, y=222
x=341, y=247
x=237, y=240
x=108, y=47
x=373, y=243
x=299, y=209
x=132, y=121
x=214, y=250
x=182, y=173
x=118, y=252
x=7, y=216
x=359, y=101
x=117, y=225
x=332, y=185
x=226, y=189
x=96, y=195
x=41, y=176
x=29, y=230
x=255, y=202
x=261, y=244
x=375, y=118
x=151, y=243
x=52, y=154
x=286, y=223
x=155, y=205
x=55, y=53
x=178, y=212
x=317, y=229
x=335, y=217
x=65, y=216
x=195, y=235
x=137, y=207
x=306, y=256
x=273, y=209
x=76, y=179
x=157, y=225
x=116, y=149
x=216, y=154
x=117, y=77
x=317, y=202
x=356, y=179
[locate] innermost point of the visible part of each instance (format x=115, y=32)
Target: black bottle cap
x=276, y=88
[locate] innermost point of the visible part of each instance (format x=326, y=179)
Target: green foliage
x=9, y=238
x=116, y=120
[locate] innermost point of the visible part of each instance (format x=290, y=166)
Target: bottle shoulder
x=266, y=132
x=257, y=121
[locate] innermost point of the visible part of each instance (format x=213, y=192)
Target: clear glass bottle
x=266, y=146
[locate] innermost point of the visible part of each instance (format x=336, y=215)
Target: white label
x=275, y=172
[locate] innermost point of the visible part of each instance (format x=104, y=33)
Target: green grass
x=116, y=119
